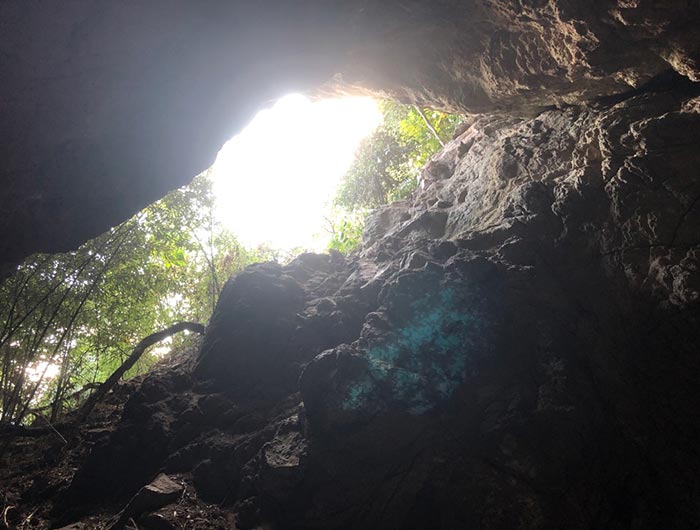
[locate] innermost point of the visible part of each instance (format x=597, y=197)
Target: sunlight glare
x=41, y=369
x=275, y=180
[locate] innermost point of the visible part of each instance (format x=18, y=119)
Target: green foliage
x=388, y=163
x=81, y=313
x=387, y=167
x=346, y=230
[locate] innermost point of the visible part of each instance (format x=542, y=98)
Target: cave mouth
x=264, y=200
x=275, y=181
x=515, y=346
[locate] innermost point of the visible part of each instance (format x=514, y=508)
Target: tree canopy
x=69, y=320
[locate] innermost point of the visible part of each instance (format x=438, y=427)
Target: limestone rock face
x=546, y=334
x=104, y=107
x=513, y=347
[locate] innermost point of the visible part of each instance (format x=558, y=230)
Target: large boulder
x=246, y=345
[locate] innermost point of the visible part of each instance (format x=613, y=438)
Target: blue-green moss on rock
x=423, y=362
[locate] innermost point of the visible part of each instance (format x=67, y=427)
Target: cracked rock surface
x=513, y=347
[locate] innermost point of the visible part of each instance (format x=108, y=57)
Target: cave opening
x=512, y=345
x=301, y=177
x=274, y=183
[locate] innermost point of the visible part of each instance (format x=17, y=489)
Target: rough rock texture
x=533, y=361
x=105, y=106
x=162, y=491
x=513, y=347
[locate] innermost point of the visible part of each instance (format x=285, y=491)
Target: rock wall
x=104, y=107
x=513, y=347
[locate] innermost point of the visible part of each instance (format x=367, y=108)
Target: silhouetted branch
x=105, y=387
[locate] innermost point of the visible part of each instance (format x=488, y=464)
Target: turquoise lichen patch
x=424, y=361
x=358, y=395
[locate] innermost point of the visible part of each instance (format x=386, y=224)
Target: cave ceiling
x=106, y=106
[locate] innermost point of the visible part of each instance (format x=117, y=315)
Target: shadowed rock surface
x=106, y=106
x=513, y=347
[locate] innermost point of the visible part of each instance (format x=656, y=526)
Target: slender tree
x=70, y=321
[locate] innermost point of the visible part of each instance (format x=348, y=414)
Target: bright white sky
x=274, y=181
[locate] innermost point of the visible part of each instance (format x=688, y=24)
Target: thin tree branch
x=140, y=348
x=430, y=125
x=77, y=393
x=71, y=322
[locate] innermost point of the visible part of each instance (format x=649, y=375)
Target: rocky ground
x=514, y=347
